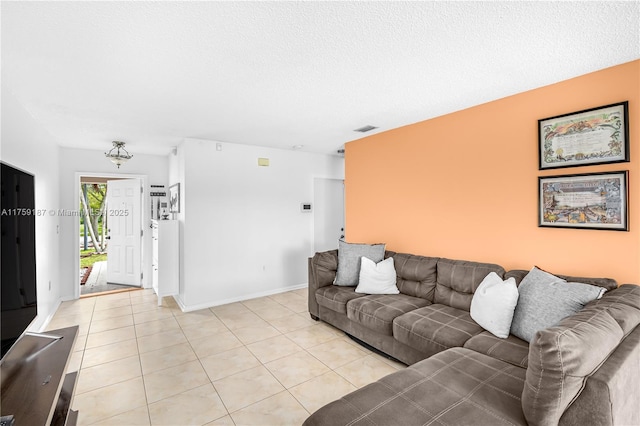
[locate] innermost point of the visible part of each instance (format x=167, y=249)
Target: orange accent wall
x=465, y=185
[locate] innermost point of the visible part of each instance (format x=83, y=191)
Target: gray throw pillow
x=349, y=255
x=544, y=300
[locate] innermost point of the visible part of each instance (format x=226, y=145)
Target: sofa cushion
x=455, y=387
x=377, y=278
x=439, y=325
x=349, y=255
x=546, y=299
x=378, y=311
x=459, y=279
x=512, y=349
x=627, y=294
x=560, y=360
x=623, y=304
x=335, y=297
x=493, y=304
x=416, y=275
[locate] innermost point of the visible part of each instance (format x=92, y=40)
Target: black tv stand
x=35, y=389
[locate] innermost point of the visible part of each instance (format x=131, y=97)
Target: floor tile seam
x=187, y=328
x=349, y=381
x=110, y=317
x=273, y=337
x=256, y=402
x=278, y=306
x=105, y=362
x=316, y=345
x=290, y=331
x=205, y=370
x=167, y=347
x=321, y=361
x=261, y=339
x=144, y=385
x=109, y=362
x=182, y=327
x=119, y=381
x=104, y=344
x=162, y=347
x=108, y=329
x=217, y=391
x=58, y=315
x=329, y=369
x=272, y=319
x=299, y=401
x=275, y=359
x=194, y=350
x=144, y=322
x=115, y=415
x=246, y=326
x=109, y=305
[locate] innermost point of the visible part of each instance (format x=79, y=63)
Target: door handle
x=107, y=237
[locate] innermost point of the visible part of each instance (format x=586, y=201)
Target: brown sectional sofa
x=585, y=370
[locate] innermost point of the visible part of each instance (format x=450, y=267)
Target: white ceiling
x=289, y=73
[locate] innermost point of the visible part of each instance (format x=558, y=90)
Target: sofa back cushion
x=561, y=358
x=623, y=304
x=457, y=280
x=608, y=283
x=416, y=275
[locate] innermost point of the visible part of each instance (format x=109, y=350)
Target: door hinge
x=141, y=232
x=141, y=275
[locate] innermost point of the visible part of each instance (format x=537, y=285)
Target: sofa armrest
x=610, y=395
x=322, y=272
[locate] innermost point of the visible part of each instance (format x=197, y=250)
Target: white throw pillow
x=377, y=278
x=493, y=304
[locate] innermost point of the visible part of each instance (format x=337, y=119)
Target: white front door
x=328, y=213
x=124, y=202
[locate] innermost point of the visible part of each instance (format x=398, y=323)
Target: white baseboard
x=206, y=305
x=40, y=327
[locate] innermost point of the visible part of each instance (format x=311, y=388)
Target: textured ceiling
x=289, y=73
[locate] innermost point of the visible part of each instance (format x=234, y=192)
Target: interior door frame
x=145, y=266
x=344, y=208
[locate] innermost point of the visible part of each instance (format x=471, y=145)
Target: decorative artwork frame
x=584, y=201
x=174, y=198
x=592, y=136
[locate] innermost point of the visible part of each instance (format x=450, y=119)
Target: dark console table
x=35, y=389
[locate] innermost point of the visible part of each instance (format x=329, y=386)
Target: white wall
x=243, y=232
x=74, y=161
x=28, y=146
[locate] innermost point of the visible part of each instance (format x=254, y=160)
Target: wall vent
x=365, y=129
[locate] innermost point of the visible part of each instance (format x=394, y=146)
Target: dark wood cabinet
x=35, y=388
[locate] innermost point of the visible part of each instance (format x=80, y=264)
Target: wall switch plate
x=263, y=162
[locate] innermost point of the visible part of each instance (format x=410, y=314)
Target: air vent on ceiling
x=364, y=129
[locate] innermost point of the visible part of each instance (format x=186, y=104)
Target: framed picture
x=587, y=201
x=174, y=198
x=593, y=136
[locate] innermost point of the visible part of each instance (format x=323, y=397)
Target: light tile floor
x=258, y=362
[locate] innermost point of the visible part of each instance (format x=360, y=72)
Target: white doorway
x=328, y=219
x=124, y=217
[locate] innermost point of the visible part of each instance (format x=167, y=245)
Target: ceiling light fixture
x=120, y=155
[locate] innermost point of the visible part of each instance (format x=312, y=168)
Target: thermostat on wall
x=305, y=207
